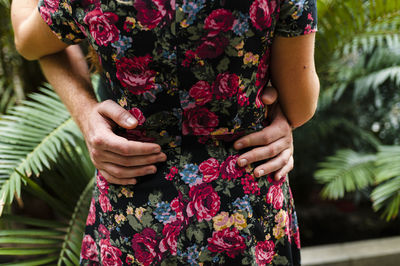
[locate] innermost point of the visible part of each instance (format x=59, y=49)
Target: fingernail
x=157, y=150
x=239, y=145
x=242, y=162
x=130, y=121
x=261, y=172
x=150, y=171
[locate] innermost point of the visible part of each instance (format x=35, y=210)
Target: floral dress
x=191, y=72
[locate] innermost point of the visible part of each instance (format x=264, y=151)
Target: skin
x=119, y=160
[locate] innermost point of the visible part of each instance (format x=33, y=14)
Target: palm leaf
x=345, y=171
x=48, y=242
x=386, y=195
x=31, y=138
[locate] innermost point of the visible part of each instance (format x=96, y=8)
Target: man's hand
x=118, y=159
x=274, y=141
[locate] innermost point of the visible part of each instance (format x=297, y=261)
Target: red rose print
x=230, y=169
x=205, y=202
x=219, y=20
x=170, y=232
x=212, y=47
x=104, y=231
x=225, y=85
x=177, y=206
x=101, y=26
x=152, y=12
x=89, y=250
x=261, y=12
x=227, y=240
x=209, y=169
x=201, y=92
x=166, y=8
x=105, y=203
x=138, y=115
x=51, y=5
x=262, y=71
x=147, y=15
x=265, y=252
x=45, y=13
x=101, y=183
x=135, y=74
x=110, y=255
x=199, y=121
x=296, y=237
x=91, y=218
x=144, y=245
x=275, y=196
x=243, y=100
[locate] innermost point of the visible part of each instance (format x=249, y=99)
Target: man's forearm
x=68, y=73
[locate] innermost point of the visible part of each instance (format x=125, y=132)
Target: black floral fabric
x=191, y=72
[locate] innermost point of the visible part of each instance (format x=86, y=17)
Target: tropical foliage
x=362, y=81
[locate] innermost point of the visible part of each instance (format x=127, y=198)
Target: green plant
x=43, y=153
x=362, y=76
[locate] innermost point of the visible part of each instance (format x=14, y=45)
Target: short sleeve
x=297, y=17
x=58, y=14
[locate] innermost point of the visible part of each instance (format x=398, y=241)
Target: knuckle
x=96, y=140
x=265, y=138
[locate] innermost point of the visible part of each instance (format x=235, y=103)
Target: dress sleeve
x=58, y=14
x=297, y=17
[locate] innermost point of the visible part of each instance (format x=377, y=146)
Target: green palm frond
x=387, y=193
x=32, y=136
x=349, y=25
x=46, y=242
x=345, y=171
x=7, y=97
x=70, y=251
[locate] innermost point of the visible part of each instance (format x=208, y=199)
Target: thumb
x=269, y=95
x=118, y=114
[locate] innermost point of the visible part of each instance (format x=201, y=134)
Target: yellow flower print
x=222, y=221
x=240, y=53
x=130, y=259
x=127, y=192
x=250, y=58
x=278, y=232
x=281, y=217
x=66, y=6
x=129, y=210
x=139, y=213
x=172, y=144
x=119, y=218
x=184, y=23
x=131, y=21
x=123, y=101
x=239, y=220
x=240, y=45
x=220, y=131
x=162, y=133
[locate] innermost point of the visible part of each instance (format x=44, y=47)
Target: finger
x=263, y=137
x=129, y=161
x=269, y=96
x=111, y=142
x=129, y=172
x=264, y=152
x=118, y=181
x=274, y=164
x=118, y=114
x=284, y=170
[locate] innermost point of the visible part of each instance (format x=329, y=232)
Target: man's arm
x=118, y=159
